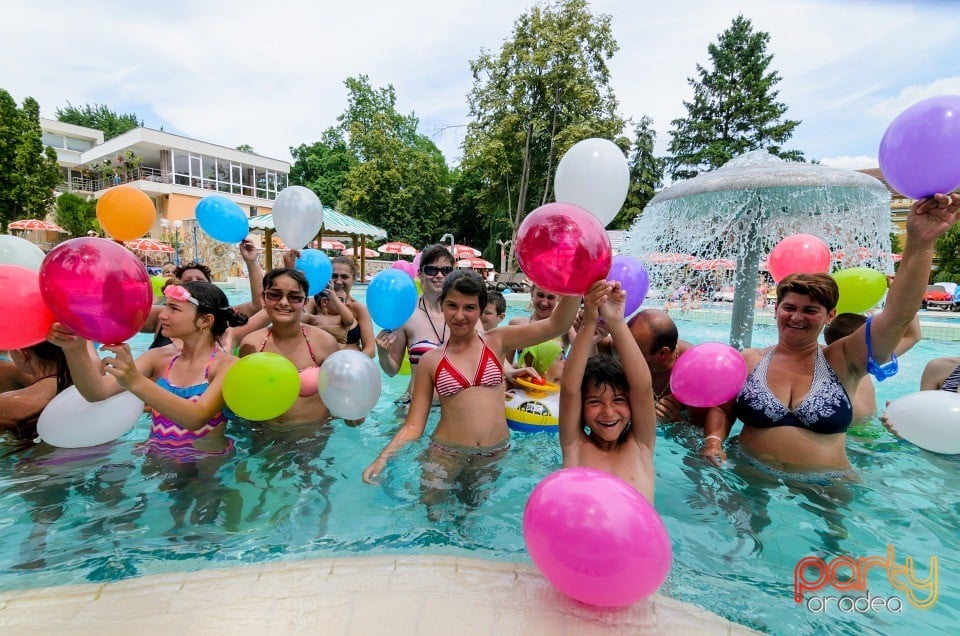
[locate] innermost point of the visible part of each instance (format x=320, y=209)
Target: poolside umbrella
x=148, y=245
x=465, y=251
x=331, y=245
x=369, y=253
x=398, y=248
x=713, y=264
x=36, y=225
x=858, y=254
x=475, y=263
x=670, y=258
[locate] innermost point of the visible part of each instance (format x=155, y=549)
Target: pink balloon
x=97, y=288
x=563, y=248
x=595, y=538
x=708, y=374
x=406, y=267
x=416, y=263
x=799, y=254
x=25, y=319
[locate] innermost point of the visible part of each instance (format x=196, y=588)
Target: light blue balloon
x=222, y=219
x=316, y=266
x=391, y=298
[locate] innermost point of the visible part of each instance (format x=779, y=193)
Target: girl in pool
x=467, y=374
x=359, y=336
x=182, y=387
x=426, y=329
x=33, y=376
x=284, y=293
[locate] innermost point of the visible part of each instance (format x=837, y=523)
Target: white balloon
x=69, y=421
x=594, y=175
x=297, y=216
x=349, y=384
x=17, y=251
x=929, y=419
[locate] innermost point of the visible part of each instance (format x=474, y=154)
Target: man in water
x=656, y=335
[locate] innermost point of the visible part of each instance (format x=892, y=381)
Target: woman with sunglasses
x=358, y=328
x=795, y=405
x=284, y=294
x=426, y=329
x=182, y=387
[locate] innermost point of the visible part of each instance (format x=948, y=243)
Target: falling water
x=741, y=210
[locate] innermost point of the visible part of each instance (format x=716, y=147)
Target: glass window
x=78, y=144
x=52, y=140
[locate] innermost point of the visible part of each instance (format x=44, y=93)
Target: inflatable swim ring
x=534, y=407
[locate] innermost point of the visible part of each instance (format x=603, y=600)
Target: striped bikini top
x=167, y=433
x=449, y=381
x=952, y=381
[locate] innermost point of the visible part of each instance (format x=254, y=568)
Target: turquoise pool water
x=110, y=513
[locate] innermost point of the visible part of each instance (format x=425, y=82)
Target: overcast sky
x=270, y=73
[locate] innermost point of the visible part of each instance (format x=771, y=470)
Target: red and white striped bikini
x=449, y=380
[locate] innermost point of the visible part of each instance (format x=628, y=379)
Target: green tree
x=323, y=166
x=76, y=215
x=28, y=169
x=947, y=255
x=547, y=88
x=734, y=107
x=646, y=174
x=99, y=117
x=400, y=181
x=245, y=148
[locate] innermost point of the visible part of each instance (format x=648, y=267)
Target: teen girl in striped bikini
x=467, y=374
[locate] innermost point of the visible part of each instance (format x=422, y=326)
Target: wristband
x=716, y=437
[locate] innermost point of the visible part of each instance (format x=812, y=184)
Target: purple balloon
x=633, y=278
x=920, y=151
x=96, y=287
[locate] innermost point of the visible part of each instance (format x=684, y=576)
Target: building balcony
x=152, y=180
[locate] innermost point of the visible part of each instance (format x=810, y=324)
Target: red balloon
x=24, y=318
x=97, y=288
x=799, y=254
x=563, y=248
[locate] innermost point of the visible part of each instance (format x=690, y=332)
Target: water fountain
x=741, y=210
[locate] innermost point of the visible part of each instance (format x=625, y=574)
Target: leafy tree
x=400, y=180
x=547, y=88
x=76, y=215
x=323, y=166
x=245, y=148
x=734, y=107
x=646, y=175
x=947, y=253
x=28, y=169
x=100, y=117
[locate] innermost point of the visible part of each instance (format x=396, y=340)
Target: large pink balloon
x=799, y=254
x=97, y=288
x=595, y=538
x=563, y=248
x=708, y=374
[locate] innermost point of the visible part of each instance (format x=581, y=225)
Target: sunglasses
x=433, y=270
x=294, y=298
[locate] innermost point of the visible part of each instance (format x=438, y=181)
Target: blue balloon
x=222, y=219
x=391, y=298
x=316, y=266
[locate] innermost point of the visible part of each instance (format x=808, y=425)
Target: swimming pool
x=98, y=515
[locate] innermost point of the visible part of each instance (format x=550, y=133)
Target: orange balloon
x=125, y=213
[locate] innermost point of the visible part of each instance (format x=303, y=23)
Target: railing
x=82, y=184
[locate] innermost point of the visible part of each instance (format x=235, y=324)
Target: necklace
x=440, y=339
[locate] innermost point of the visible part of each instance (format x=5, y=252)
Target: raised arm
x=85, y=365
x=255, y=272
x=571, y=398
x=910, y=338
x=521, y=336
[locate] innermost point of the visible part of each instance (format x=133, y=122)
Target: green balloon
x=860, y=289
x=261, y=386
x=157, y=282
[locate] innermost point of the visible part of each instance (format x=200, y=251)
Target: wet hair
x=200, y=267
x=52, y=353
x=299, y=278
x=466, y=282
x=433, y=253
x=214, y=302
x=842, y=326
x=348, y=261
x=604, y=370
x=821, y=288
x=663, y=333
x=498, y=301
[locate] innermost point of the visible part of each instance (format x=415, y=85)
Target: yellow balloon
x=261, y=386
x=157, y=282
x=860, y=289
x=125, y=213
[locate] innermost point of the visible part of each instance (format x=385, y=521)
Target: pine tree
x=734, y=108
x=28, y=170
x=646, y=174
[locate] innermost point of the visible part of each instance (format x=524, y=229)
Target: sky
x=271, y=74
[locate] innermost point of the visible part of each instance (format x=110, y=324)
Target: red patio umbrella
x=148, y=245
x=331, y=245
x=465, y=251
x=713, y=264
x=369, y=253
x=475, y=263
x=38, y=225
x=398, y=248
x=661, y=258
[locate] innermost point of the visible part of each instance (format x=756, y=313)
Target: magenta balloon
x=633, y=279
x=708, y=374
x=920, y=151
x=416, y=264
x=97, y=288
x=798, y=254
x=595, y=538
x=563, y=248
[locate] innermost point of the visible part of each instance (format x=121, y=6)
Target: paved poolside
x=360, y=595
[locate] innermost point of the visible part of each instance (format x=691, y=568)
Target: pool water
x=110, y=513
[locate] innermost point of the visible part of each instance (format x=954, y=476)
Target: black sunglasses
x=275, y=296
x=433, y=270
